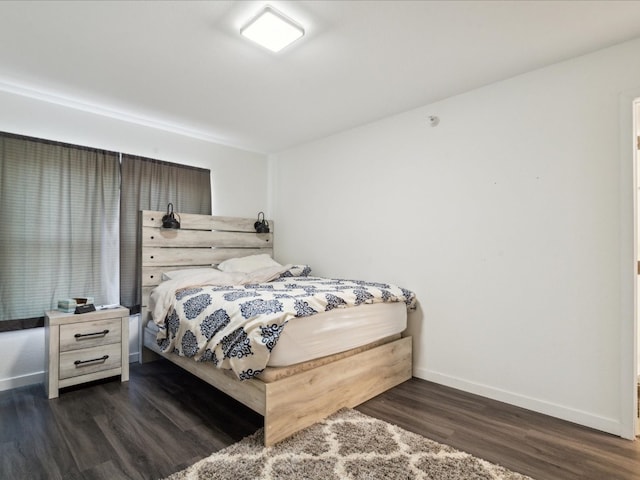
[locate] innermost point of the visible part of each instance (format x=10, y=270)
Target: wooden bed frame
x=292, y=398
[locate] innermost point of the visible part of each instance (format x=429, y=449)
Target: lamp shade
x=261, y=225
x=169, y=220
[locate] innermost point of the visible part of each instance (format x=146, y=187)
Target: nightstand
x=85, y=347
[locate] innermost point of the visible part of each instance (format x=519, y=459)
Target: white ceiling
x=182, y=66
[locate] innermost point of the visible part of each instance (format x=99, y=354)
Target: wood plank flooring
x=164, y=419
x=527, y=442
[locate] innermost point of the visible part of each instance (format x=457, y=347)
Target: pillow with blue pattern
x=297, y=271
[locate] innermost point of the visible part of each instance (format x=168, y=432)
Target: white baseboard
x=21, y=381
x=586, y=419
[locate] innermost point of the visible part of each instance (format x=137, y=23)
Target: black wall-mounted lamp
x=261, y=226
x=169, y=220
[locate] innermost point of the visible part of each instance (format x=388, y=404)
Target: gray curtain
x=149, y=184
x=59, y=230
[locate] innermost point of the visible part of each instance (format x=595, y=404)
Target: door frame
x=629, y=102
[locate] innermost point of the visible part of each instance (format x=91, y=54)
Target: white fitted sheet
x=335, y=331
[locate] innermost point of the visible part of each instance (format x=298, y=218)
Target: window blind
x=59, y=228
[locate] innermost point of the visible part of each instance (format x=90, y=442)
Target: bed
x=293, y=391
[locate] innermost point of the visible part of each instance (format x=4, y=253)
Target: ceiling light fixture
x=272, y=30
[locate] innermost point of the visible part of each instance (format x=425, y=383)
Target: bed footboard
x=296, y=402
x=292, y=403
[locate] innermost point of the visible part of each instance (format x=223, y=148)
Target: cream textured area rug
x=347, y=445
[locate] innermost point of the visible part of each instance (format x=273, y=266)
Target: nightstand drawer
x=90, y=360
x=76, y=336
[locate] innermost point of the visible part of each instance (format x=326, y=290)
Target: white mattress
x=327, y=333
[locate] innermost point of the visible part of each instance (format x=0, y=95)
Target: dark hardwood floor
x=164, y=419
x=521, y=440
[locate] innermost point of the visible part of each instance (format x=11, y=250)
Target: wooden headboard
x=201, y=241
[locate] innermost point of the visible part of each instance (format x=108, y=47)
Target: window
x=68, y=213
x=59, y=227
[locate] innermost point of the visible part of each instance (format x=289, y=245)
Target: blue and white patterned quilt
x=236, y=326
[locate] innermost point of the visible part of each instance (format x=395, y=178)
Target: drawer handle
x=80, y=335
x=77, y=363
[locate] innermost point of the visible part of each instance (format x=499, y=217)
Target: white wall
x=239, y=188
x=512, y=221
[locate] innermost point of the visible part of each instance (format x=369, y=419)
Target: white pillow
x=248, y=264
x=175, y=274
